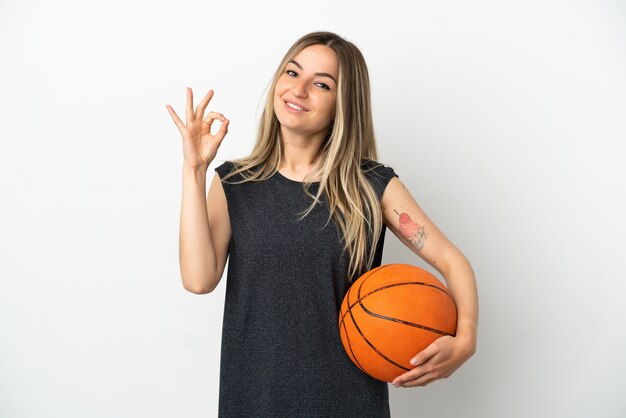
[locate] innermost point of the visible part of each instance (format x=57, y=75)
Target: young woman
x=299, y=219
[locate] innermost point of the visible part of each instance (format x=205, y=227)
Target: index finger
x=424, y=355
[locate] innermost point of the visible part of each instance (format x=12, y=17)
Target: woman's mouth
x=295, y=107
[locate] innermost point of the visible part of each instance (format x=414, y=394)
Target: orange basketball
x=390, y=314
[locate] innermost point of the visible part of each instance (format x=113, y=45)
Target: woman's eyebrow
x=297, y=64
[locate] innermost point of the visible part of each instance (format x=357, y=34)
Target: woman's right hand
x=199, y=144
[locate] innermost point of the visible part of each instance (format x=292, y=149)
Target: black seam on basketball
x=412, y=283
x=369, y=273
x=394, y=285
x=356, y=360
x=365, y=338
x=374, y=348
x=401, y=321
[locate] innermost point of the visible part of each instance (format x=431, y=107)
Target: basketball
x=390, y=314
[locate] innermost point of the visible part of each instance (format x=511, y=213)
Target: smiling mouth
x=296, y=107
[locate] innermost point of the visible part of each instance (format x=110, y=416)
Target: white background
x=506, y=120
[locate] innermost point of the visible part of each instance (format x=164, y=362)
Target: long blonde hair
x=349, y=142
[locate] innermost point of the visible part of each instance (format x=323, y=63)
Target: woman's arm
x=204, y=225
x=204, y=232
x=404, y=217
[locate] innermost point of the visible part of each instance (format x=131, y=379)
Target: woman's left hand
x=437, y=361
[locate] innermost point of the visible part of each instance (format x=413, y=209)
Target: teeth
x=293, y=106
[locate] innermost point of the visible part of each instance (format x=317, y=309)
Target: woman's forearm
x=461, y=282
x=196, y=251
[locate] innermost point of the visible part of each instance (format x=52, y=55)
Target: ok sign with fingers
x=199, y=144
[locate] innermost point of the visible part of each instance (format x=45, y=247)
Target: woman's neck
x=299, y=154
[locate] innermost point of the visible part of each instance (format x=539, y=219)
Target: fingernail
x=414, y=362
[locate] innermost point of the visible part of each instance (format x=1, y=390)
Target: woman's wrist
x=195, y=170
x=466, y=334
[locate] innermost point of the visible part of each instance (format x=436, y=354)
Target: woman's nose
x=299, y=89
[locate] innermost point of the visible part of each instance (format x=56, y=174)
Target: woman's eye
x=291, y=73
x=324, y=86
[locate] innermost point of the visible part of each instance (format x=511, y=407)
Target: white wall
x=506, y=120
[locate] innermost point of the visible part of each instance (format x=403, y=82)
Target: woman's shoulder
x=230, y=166
x=225, y=168
x=373, y=169
x=378, y=174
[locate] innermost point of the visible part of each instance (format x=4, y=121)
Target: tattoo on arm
x=411, y=230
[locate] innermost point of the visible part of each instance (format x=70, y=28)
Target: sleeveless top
x=281, y=353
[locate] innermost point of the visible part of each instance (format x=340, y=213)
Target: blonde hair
x=349, y=142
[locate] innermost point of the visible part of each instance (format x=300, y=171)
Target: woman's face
x=306, y=92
